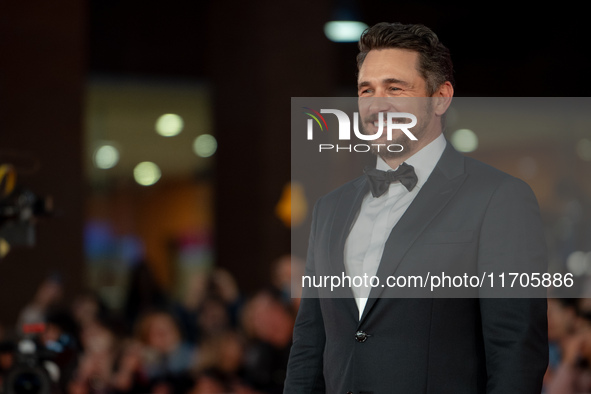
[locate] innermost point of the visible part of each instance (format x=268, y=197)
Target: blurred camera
x=19, y=208
x=17, y=213
x=30, y=368
x=32, y=372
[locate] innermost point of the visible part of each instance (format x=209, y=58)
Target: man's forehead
x=389, y=63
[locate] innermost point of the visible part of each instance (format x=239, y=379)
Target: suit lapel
x=346, y=212
x=445, y=180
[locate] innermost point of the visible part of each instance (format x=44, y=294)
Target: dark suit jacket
x=466, y=215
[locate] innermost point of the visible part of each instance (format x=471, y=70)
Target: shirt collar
x=423, y=161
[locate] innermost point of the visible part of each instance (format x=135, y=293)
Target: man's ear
x=443, y=98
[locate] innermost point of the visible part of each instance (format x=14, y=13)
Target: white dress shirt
x=378, y=216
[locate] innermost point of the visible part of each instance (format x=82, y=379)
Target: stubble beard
x=380, y=145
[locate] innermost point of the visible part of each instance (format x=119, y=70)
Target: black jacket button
x=361, y=336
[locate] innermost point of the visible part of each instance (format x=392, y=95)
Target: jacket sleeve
x=515, y=330
x=305, y=366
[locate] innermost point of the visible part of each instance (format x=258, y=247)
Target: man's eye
x=394, y=88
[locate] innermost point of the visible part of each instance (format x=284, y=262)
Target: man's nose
x=379, y=104
x=380, y=93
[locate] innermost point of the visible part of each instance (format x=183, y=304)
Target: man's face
x=391, y=73
x=389, y=81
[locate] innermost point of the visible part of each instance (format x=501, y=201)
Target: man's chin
x=385, y=143
x=387, y=155
x=390, y=149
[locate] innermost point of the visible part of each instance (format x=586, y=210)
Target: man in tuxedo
x=437, y=209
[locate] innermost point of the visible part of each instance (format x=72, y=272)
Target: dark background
x=254, y=56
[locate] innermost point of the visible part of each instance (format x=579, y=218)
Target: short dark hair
x=435, y=64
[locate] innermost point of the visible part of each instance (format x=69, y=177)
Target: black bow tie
x=379, y=181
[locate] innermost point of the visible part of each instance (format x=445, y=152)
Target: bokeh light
x=106, y=156
x=146, y=173
x=578, y=262
x=169, y=125
x=344, y=31
x=205, y=145
x=464, y=140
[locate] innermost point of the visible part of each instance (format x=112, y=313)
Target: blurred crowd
x=214, y=341
x=569, y=335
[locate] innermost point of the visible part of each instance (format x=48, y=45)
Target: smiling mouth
x=374, y=119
